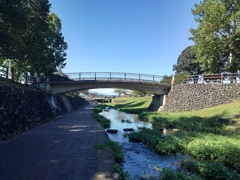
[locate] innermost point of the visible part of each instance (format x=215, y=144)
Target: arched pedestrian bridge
x=92, y=80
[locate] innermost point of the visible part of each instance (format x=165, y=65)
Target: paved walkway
x=62, y=149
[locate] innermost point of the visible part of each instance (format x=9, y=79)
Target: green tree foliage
x=217, y=37
x=120, y=91
x=140, y=93
x=57, y=46
x=178, y=78
x=167, y=79
x=187, y=62
x=31, y=37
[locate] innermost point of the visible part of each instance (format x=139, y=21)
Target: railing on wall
x=3, y=71
x=214, y=78
x=113, y=76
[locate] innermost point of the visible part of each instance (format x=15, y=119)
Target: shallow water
x=140, y=161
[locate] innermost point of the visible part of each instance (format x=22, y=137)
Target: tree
x=140, y=93
x=217, y=37
x=167, y=79
x=120, y=91
x=187, y=62
x=23, y=32
x=178, y=78
x=52, y=60
x=31, y=37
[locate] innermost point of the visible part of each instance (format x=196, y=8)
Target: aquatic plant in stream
x=102, y=120
x=191, y=123
x=119, y=169
x=168, y=145
x=163, y=144
x=208, y=170
x=117, y=150
x=118, y=157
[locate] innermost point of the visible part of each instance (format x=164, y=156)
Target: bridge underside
x=70, y=86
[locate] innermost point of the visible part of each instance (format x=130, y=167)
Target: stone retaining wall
x=21, y=110
x=187, y=97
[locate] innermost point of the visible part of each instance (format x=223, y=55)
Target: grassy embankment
x=211, y=136
x=133, y=105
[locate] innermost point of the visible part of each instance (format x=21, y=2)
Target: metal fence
x=214, y=78
x=113, y=76
x=3, y=71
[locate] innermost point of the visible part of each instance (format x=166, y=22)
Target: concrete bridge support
x=157, y=103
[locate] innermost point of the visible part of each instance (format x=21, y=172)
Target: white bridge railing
x=113, y=76
x=222, y=78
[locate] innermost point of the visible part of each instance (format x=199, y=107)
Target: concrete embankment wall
x=21, y=110
x=188, y=97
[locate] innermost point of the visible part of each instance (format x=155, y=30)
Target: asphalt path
x=62, y=149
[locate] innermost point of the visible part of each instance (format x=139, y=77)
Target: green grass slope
x=131, y=104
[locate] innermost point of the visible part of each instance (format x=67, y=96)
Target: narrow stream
x=140, y=161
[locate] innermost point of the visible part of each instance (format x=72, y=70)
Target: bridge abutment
x=157, y=103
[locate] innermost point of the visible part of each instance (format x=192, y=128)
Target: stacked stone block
x=21, y=110
x=188, y=97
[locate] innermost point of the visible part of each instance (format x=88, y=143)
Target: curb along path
x=62, y=149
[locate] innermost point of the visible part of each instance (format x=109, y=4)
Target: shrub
x=168, y=145
x=117, y=150
x=168, y=174
x=102, y=120
x=220, y=149
x=156, y=140
x=190, y=165
x=119, y=169
x=212, y=170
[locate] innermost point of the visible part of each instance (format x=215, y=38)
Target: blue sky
x=134, y=36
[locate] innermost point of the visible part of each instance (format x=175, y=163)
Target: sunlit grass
x=131, y=104
x=231, y=110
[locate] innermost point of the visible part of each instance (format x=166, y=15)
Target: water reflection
x=140, y=161
x=120, y=121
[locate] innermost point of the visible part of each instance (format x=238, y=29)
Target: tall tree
x=187, y=62
x=31, y=37
x=217, y=37
x=54, y=55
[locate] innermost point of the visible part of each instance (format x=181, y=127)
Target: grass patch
x=224, y=120
x=102, y=120
x=115, y=147
x=134, y=105
x=118, y=157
